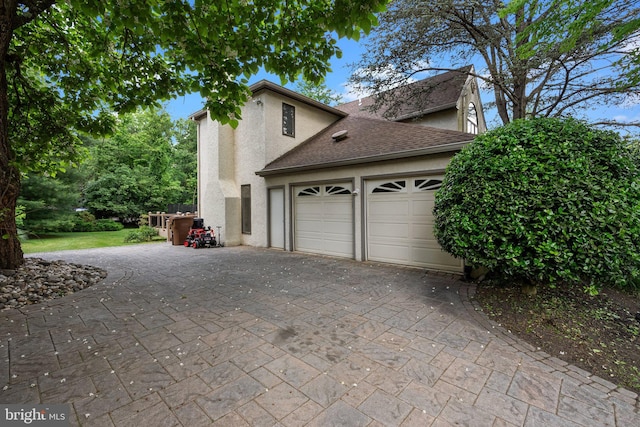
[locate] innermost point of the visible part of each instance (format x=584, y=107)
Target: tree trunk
x=11, y=256
x=519, y=68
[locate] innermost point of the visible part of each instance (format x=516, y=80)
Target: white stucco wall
x=228, y=158
x=308, y=122
x=218, y=196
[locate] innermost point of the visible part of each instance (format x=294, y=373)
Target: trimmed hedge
x=545, y=201
x=81, y=221
x=142, y=234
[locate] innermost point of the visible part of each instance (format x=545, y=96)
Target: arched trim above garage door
x=399, y=186
x=336, y=189
x=427, y=184
x=309, y=191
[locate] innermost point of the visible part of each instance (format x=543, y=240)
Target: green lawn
x=64, y=241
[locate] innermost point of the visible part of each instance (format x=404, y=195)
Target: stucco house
x=299, y=175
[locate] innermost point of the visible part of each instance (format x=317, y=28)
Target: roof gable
x=366, y=140
x=265, y=85
x=413, y=100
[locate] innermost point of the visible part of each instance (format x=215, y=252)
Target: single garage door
x=400, y=223
x=323, y=219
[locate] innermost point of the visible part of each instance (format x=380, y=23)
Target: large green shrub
x=544, y=201
x=142, y=234
x=85, y=221
x=60, y=225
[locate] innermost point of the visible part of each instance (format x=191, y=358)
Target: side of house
x=298, y=175
x=228, y=188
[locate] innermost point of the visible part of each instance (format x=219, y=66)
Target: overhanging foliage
x=83, y=58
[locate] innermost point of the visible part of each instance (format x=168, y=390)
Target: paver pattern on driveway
x=256, y=337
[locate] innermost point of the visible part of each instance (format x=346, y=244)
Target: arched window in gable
x=472, y=119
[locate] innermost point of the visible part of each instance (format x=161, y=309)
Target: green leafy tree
x=184, y=161
x=48, y=199
x=65, y=65
x=634, y=149
x=118, y=193
x=318, y=91
x=544, y=201
x=131, y=172
x=147, y=163
x=541, y=58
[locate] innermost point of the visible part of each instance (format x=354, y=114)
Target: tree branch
x=30, y=10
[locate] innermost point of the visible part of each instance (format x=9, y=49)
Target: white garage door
x=400, y=224
x=324, y=219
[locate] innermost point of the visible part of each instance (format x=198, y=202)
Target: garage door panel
x=381, y=230
x=311, y=242
x=335, y=239
x=335, y=228
x=422, y=208
x=337, y=248
x=389, y=252
x=336, y=208
x=307, y=225
x=381, y=208
x=437, y=258
x=422, y=232
x=310, y=237
x=309, y=209
x=308, y=234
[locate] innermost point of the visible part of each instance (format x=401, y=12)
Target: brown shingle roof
x=367, y=140
x=429, y=95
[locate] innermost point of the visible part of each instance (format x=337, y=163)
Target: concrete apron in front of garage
x=243, y=336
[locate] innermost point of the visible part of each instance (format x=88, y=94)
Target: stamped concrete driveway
x=242, y=336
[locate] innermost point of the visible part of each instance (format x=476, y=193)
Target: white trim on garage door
x=323, y=219
x=399, y=223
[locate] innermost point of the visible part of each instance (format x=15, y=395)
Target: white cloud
x=633, y=44
x=351, y=93
x=626, y=118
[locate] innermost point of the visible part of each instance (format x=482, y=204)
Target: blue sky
x=341, y=70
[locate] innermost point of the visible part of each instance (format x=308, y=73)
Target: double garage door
x=398, y=222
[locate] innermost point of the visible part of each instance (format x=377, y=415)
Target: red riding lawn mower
x=202, y=237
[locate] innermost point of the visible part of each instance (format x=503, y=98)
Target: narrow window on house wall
x=245, y=207
x=288, y=120
x=472, y=119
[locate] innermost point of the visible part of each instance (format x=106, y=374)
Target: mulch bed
x=600, y=334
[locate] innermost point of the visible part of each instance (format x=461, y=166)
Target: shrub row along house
x=342, y=181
